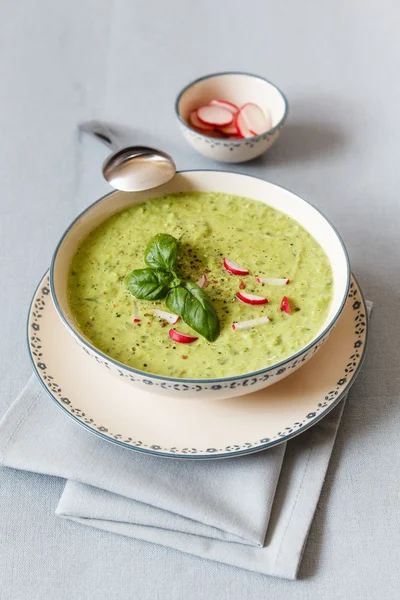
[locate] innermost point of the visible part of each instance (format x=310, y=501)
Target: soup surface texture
x=209, y=227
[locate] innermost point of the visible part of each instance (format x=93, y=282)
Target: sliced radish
x=251, y=299
x=285, y=306
x=234, y=268
x=272, y=281
x=230, y=129
x=255, y=118
x=202, y=282
x=181, y=338
x=225, y=104
x=195, y=121
x=242, y=127
x=214, y=115
x=166, y=316
x=249, y=324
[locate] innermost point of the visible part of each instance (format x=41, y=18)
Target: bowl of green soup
x=213, y=285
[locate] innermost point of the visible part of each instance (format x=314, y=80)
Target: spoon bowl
x=138, y=168
x=130, y=168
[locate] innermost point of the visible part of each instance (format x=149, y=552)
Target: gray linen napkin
x=232, y=511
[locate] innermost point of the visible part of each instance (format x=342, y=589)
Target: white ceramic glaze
x=207, y=181
x=238, y=88
x=141, y=419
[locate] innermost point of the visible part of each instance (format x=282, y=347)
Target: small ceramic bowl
x=205, y=181
x=237, y=88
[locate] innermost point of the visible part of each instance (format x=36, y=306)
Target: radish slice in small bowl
x=230, y=129
x=202, y=282
x=195, y=121
x=251, y=323
x=285, y=306
x=242, y=126
x=225, y=104
x=166, y=316
x=181, y=338
x=255, y=118
x=214, y=115
x=273, y=281
x=234, y=268
x=251, y=299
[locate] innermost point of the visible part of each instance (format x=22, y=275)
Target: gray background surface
x=63, y=62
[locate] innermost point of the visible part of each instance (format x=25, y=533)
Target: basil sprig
x=159, y=280
x=161, y=252
x=193, y=305
x=148, y=284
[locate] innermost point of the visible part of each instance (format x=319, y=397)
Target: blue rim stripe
x=211, y=456
x=209, y=76
x=147, y=375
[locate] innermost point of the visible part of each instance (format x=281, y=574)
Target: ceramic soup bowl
x=238, y=88
x=207, y=181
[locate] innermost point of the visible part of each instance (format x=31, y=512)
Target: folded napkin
x=253, y=512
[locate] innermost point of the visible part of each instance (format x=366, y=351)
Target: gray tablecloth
x=62, y=62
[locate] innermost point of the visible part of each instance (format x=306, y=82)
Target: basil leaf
x=194, y=306
x=148, y=284
x=161, y=252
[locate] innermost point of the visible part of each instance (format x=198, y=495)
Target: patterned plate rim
x=350, y=373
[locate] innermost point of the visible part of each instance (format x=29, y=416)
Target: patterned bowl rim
x=74, y=331
x=223, y=73
x=313, y=418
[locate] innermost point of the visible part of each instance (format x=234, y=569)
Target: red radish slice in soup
x=214, y=115
x=242, y=126
x=195, y=121
x=272, y=281
x=251, y=299
x=225, y=104
x=166, y=316
x=255, y=118
x=251, y=323
x=285, y=306
x=202, y=282
x=234, y=268
x=181, y=338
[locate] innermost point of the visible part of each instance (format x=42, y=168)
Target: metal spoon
x=131, y=168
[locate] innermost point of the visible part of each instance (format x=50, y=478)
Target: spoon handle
x=103, y=133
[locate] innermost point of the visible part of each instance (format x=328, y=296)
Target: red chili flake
x=215, y=280
x=105, y=292
x=287, y=281
x=285, y=306
x=148, y=323
x=184, y=357
x=242, y=285
x=136, y=320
